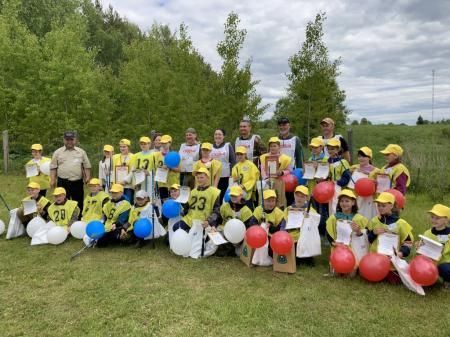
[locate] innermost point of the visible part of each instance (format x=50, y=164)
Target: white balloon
x=57, y=235
x=181, y=243
x=234, y=230
x=87, y=240
x=78, y=229
x=45, y=168
x=2, y=227
x=34, y=225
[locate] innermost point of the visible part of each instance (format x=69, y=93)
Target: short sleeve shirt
x=69, y=163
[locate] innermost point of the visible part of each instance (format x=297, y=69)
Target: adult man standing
x=252, y=143
x=70, y=169
x=290, y=144
x=327, y=125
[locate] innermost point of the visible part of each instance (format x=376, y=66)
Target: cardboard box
x=285, y=263
x=247, y=254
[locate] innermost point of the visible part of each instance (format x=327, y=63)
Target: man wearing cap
x=42, y=204
x=290, y=144
x=252, y=143
x=246, y=174
x=70, y=168
x=63, y=212
x=94, y=202
x=42, y=178
x=122, y=167
x=189, y=153
x=115, y=216
x=204, y=203
x=327, y=125
x=173, y=174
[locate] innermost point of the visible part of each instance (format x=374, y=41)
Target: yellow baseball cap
x=269, y=194
x=125, y=142
x=366, y=150
x=175, y=187
x=440, y=210
x=34, y=185
x=108, y=148
x=316, y=142
x=327, y=120
x=202, y=170
x=274, y=140
x=59, y=190
x=347, y=193
x=145, y=140
x=334, y=142
x=116, y=188
x=207, y=146
x=235, y=191
x=302, y=189
x=94, y=181
x=393, y=148
x=37, y=147
x=241, y=149
x=165, y=139
x=386, y=198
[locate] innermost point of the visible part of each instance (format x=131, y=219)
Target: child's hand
x=123, y=234
x=419, y=244
x=113, y=227
x=355, y=228
x=378, y=231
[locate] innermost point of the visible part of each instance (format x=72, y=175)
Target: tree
x=313, y=92
x=355, y=122
x=365, y=121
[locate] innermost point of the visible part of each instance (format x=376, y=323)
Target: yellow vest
x=92, y=206
x=338, y=168
x=395, y=171
x=283, y=159
x=173, y=177
x=42, y=179
x=214, y=167
x=228, y=213
x=275, y=217
x=295, y=232
x=113, y=210
x=143, y=161
x=42, y=202
x=247, y=175
x=134, y=215
x=402, y=229
x=118, y=161
x=445, y=258
x=201, y=204
x=360, y=220
x=313, y=182
x=61, y=214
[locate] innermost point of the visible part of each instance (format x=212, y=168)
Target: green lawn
x=124, y=291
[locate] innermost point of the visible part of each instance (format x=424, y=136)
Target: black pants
x=74, y=190
x=222, y=186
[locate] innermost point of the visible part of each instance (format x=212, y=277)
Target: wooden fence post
x=5, y=151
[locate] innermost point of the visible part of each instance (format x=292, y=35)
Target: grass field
x=124, y=291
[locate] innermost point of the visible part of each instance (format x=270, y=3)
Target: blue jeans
x=444, y=271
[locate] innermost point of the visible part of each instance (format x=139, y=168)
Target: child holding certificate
x=165, y=176
x=42, y=204
x=440, y=232
x=34, y=171
x=121, y=166
x=388, y=234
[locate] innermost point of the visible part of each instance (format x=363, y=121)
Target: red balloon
x=365, y=187
x=342, y=260
x=400, y=199
x=290, y=182
x=374, y=267
x=256, y=236
x=323, y=192
x=281, y=242
x=423, y=271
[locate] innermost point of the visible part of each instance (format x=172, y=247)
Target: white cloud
x=388, y=48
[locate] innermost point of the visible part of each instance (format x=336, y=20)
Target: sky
x=388, y=47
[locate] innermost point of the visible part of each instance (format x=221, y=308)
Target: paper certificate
x=32, y=170
x=430, y=248
x=387, y=243
x=323, y=171
x=383, y=182
x=185, y=191
x=217, y=238
x=355, y=177
x=295, y=218
x=310, y=171
x=161, y=175
x=139, y=177
x=344, y=232
x=272, y=166
x=121, y=174
x=29, y=207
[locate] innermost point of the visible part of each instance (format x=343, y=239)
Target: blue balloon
x=298, y=172
x=95, y=229
x=226, y=196
x=142, y=228
x=171, y=209
x=172, y=159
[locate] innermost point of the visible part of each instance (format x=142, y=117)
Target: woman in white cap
x=189, y=153
x=223, y=152
x=43, y=179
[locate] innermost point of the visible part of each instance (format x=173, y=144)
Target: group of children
x=255, y=195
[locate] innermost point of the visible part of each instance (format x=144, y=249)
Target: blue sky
x=388, y=48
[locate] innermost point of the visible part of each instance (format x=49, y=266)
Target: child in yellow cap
x=142, y=200
x=143, y=160
x=105, y=167
x=43, y=179
x=339, y=167
x=214, y=166
x=42, y=204
x=246, y=175
x=94, y=202
x=122, y=167
x=398, y=173
x=440, y=232
x=389, y=222
x=63, y=212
